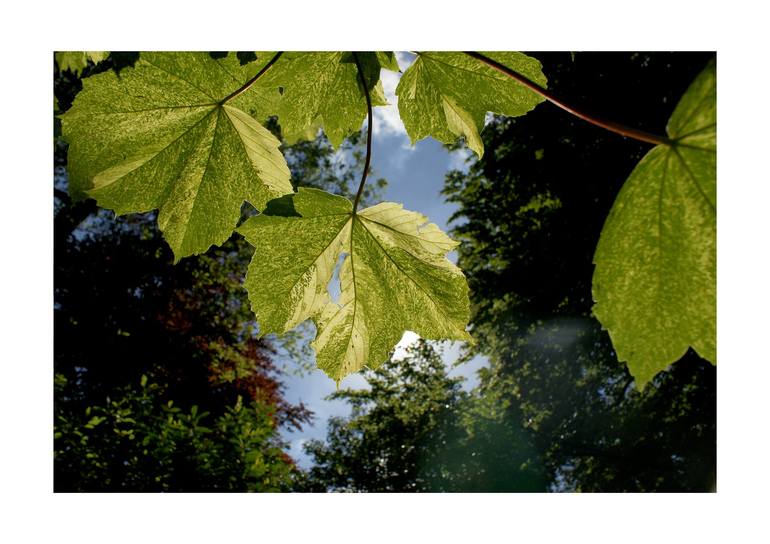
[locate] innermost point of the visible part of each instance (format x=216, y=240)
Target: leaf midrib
x=492, y=75
x=352, y=257
x=178, y=77
x=155, y=156
x=200, y=182
x=694, y=181
x=269, y=158
x=374, y=237
x=417, y=236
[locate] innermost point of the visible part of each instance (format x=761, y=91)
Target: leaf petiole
x=368, y=133
x=246, y=86
x=612, y=126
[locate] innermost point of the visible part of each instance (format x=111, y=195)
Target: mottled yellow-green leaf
x=655, y=277
x=298, y=240
x=76, y=61
x=325, y=86
x=160, y=136
x=388, y=60
x=447, y=94
x=394, y=277
x=305, y=135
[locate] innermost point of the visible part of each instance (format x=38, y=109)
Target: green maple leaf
x=76, y=61
x=395, y=277
x=324, y=89
x=447, y=94
x=161, y=136
x=388, y=60
x=655, y=277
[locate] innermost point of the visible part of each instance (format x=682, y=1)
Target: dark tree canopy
x=124, y=311
x=529, y=219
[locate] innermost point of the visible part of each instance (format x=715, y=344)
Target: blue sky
x=415, y=177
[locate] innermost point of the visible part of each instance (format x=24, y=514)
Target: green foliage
x=400, y=432
x=655, y=279
x=447, y=95
x=161, y=136
x=409, y=431
x=324, y=89
x=137, y=441
x=77, y=61
x=394, y=277
x=122, y=310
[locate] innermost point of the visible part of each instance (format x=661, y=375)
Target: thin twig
x=598, y=121
x=368, y=133
x=246, y=86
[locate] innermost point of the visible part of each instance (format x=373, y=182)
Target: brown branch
x=598, y=121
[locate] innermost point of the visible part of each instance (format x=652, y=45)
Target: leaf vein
x=694, y=180
x=180, y=78
x=435, y=304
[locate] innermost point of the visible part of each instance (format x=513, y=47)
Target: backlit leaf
x=324, y=89
x=394, y=277
x=447, y=94
x=655, y=277
x=76, y=61
x=388, y=60
x=160, y=136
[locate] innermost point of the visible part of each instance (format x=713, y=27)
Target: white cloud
x=458, y=160
x=400, y=351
